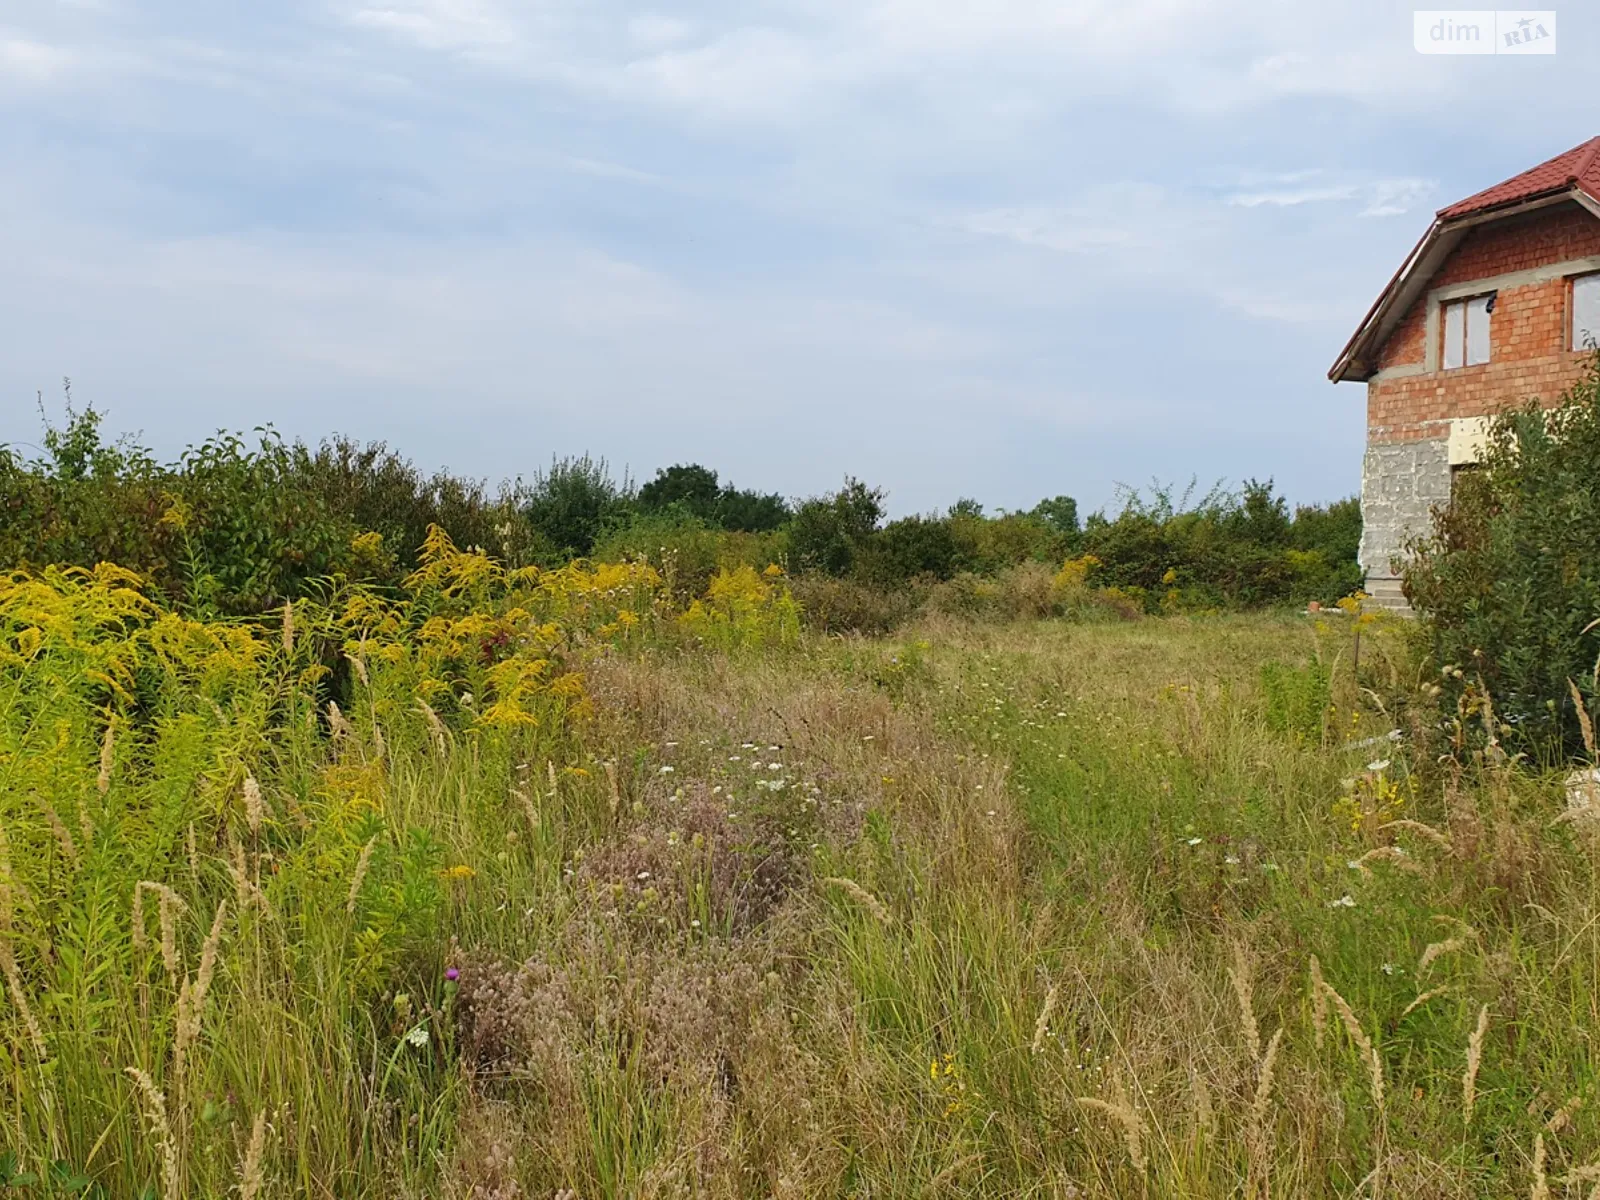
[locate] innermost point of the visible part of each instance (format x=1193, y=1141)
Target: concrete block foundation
x=1401, y=482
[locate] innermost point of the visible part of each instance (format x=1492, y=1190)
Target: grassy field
x=577, y=896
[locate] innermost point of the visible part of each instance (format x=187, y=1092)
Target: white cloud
x=440, y=24
x=31, y=62
x=1378, y=197
x=654, y=31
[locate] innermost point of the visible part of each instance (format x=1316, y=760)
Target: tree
x=751, y=511
x=1060, y=513
x=689, y=487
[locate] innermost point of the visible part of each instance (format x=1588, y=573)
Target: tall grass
x=525, y=884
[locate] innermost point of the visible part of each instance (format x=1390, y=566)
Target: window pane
x=1585, y=311
x=1477, y=331
x=1454, y=334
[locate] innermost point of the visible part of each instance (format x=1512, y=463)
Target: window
x=1466, y=331
x=1585, y=311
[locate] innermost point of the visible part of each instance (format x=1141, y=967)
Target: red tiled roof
x=1578, y=167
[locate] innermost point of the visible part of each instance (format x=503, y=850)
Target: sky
x=999, y=249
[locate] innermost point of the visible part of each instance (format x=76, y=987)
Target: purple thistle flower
x=452, y=974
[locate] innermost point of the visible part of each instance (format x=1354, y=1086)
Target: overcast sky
x=992, y=248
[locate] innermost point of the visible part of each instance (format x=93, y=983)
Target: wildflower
x=1344, y=901
x=417, y=1037
x=459, y=871
x=1231, y=859
x=1381, y=764
x=1194, y=841
x=452, y=974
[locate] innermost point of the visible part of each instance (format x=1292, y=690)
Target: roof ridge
x=1554, y=174
x=1582, y=169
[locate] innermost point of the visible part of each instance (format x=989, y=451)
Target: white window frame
x=1465, y=328
x=1585, y=323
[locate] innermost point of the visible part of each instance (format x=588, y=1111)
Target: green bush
x=1508, y=579
x=1226, y=550
x=85, y=502
x=988, y=545
x=573, y=503
x=828, y=533
x=907, y=549
x=382, y=491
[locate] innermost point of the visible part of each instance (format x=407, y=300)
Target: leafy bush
x=987, y=545
x=1509, y=576
x=574, y=502
x=1324, y=541
x=382, y=491
x=1225, y=550
x=829, y=532
x=907, y=549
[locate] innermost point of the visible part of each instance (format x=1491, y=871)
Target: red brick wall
x=1528, y=333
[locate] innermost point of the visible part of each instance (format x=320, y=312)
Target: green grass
x=1071, y=853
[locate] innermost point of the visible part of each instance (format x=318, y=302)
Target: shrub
x=749, y=511
x=380, y=490
x=987, y=545
x=845, y=606
x=1060, y=514
x=572, y=503
x=907, y=549
x=1509, y=576
x=1325, y=541
x=829, y=532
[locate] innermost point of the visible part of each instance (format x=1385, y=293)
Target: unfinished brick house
x=1496, y=304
